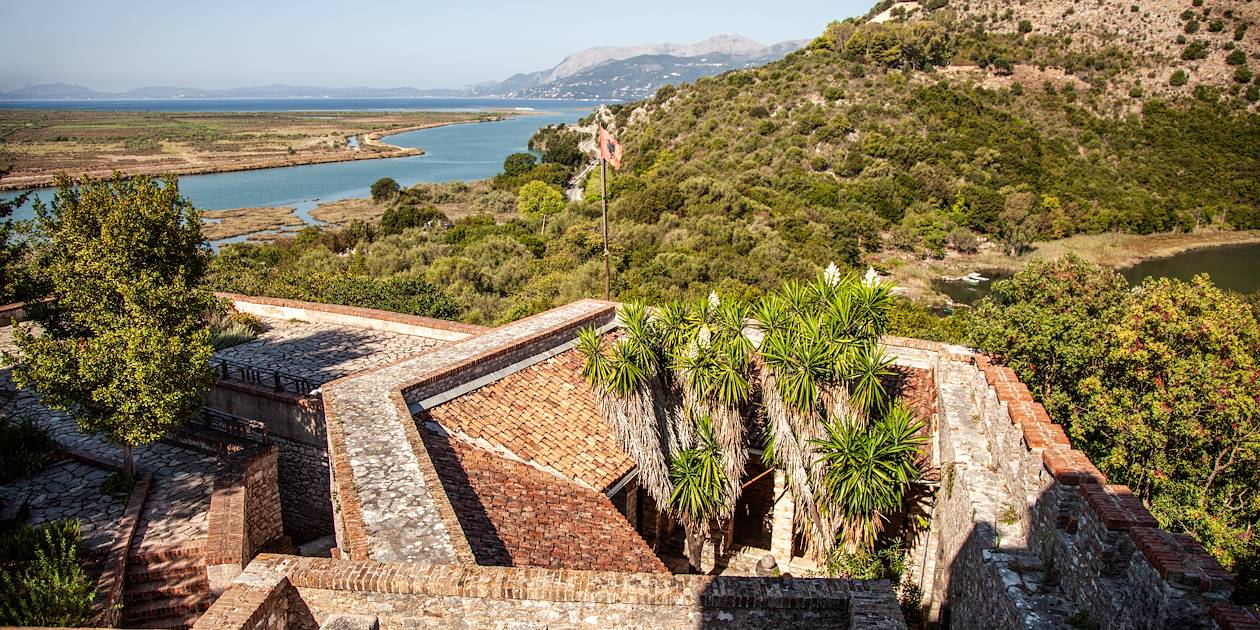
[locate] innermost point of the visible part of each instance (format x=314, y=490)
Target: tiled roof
x=544, y=414
x=516, y=515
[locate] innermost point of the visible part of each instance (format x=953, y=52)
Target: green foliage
x=1155, y=383
x=1236, y=58
x=1178, y=77
x=894, y=44
x=1025, y=26
x=384, y=189
x=124, y=348
x=25, y=448
x=16, y=281
x=539, y=200
x=1197, y=49
x=43, y=583
x=229, y=327
x=400, y=218
x=519, y=164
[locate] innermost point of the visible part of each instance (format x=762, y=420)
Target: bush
x=1196, y=50
x=384, y=189
x=1242, y=74
x=395, y=220
x=1025, y=26
x=1192, y=27
x=25, y=448
x=1178, y=78
x=963, y=240
x=1236, y=58
x=44, y=585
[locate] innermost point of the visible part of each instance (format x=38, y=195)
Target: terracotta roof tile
x=516, y=515
x=543, y=414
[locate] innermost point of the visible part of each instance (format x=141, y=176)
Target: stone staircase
x=166, y=588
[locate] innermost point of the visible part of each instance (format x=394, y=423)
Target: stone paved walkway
x=323, y=352
x=69, y=489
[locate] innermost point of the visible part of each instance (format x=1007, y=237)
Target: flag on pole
x=609, y=149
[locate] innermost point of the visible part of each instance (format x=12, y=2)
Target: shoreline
x=16, y=182
x=1115, y=250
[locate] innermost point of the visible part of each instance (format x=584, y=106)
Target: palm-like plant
x=700, y=487
x=675, y=386
x=868, y=469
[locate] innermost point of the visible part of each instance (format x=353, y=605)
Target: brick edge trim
x=107, y=610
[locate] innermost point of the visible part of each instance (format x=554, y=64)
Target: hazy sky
x=117, y=45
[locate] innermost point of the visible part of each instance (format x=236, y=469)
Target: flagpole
x=603, y=185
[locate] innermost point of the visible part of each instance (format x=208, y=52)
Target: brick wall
x=244, y=514
x=416, y=595
x=1027, y=530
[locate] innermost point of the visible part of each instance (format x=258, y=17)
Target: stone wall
x=369, y=318
x=1028, y=533
x=244, y=514
x=445, y=596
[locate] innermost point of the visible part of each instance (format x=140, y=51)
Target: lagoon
x=461, y=152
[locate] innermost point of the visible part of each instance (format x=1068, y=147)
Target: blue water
x=455, y=152
x=299, y=104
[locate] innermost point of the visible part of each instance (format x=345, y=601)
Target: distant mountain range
x=630, y=72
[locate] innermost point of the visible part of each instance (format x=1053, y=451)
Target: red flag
x=609, y=149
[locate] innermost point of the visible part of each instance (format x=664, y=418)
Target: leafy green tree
x=11, y=275
x=700, y=483
x=400, y=218
x=519, y=163
x=540, y=200
x=1156, y=383
x=384, y=189
x=124, y=348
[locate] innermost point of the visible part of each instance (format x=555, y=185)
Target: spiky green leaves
x=699, y=478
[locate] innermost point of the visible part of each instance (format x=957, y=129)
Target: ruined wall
x=244, y=514
x=1027, y=532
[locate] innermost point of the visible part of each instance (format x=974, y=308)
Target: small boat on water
x=971, y=278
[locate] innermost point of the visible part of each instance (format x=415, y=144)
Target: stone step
x=194, y=584
x=173, y=569
x=174, y=622
x=141, y=556
x=166, y=607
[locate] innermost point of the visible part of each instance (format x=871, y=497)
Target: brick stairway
x=166, y=588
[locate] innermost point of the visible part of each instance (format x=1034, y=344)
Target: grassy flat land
x=38, y=144
x=220, y=224
x=1111, y=249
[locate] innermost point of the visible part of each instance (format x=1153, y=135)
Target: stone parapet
x=244, y=514
x=1030, y=533
x=369, y=318
x=426, y=595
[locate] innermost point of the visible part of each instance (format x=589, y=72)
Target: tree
x=519, y=163
x=1156, y=383
x=400, y=218
x=385, y=189
x=124, y=348
x=685, y=371
x=538, y=199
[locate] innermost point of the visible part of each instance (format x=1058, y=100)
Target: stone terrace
x=320, y=352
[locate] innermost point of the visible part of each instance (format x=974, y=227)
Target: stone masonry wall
x=305, y=504
x=244, y=514
x=1028, y=533
x=404, y=595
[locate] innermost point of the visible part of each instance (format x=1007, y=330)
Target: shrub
x=963, y=240
x=1216, y=26
x=1135, y=91
x=1192, y=27
x=1178, y=78
x=1253, y=93
x=396, y=220
x=25, y=448
x=44, y=585
x=384, y=189
x=1025, y=26
x=1242, y=74
x=1196, y=50
x=1236, y=58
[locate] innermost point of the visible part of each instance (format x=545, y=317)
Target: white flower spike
x=713, y=299
x=832, y=275
x=872, y=277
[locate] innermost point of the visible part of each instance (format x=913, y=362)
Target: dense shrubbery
x=1156, y=383
x=42, y=583
x=25, y=448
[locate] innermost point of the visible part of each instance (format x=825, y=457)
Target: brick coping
x=107, y=608
x=558, y=585
x=427, y=326
x=371, y=395
x=1179, y=559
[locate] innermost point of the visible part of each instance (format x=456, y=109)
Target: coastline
x=16, y=181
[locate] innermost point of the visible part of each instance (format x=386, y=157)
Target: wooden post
x=603, y=186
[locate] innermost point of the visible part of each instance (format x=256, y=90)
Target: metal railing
x=264, y=377
x=253, y=430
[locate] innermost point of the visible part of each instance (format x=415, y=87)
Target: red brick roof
x=544, y=414
x=516, y=515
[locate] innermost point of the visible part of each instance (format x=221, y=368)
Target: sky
x=118, y=45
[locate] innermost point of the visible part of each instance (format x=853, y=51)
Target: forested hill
x=919, y=123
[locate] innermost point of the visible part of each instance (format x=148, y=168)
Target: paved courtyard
x=324, y=352
x=69, y=489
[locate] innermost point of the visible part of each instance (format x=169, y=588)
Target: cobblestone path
x=323, y=352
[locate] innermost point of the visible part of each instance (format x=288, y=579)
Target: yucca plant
x=700, y=487
x=867, y=469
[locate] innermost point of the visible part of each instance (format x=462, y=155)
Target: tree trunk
x=128, y=463
x=695, y=547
